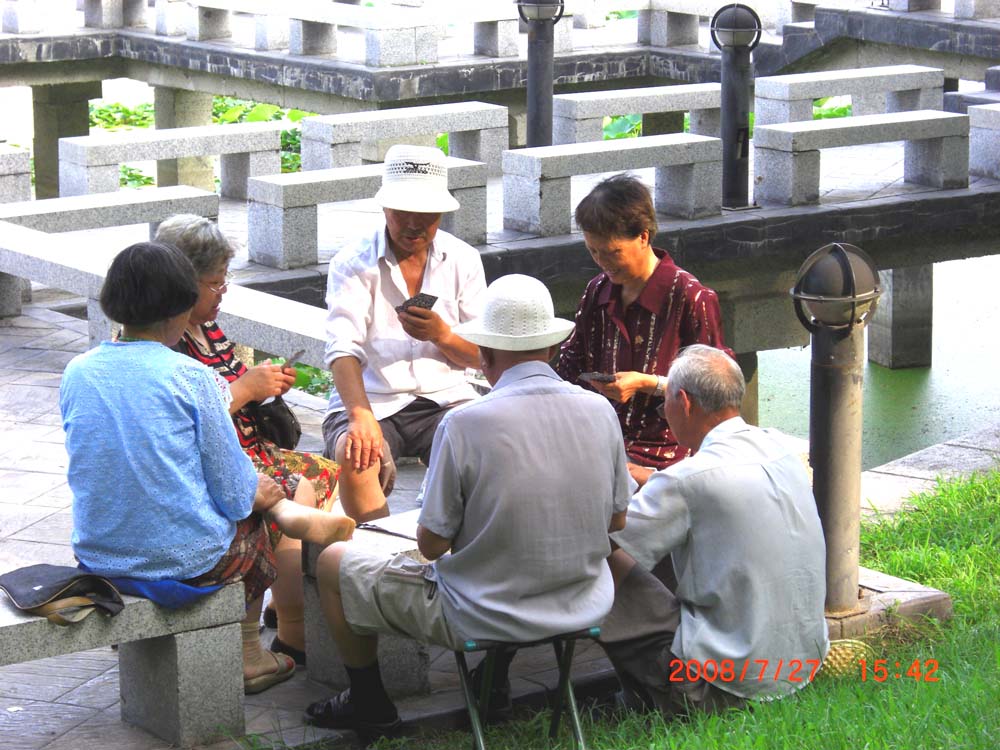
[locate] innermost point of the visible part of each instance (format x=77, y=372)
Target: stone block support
x=323, y=155
x=60, y=111
x=984, y=152
x=80, y=179
x=908, y=6
x=706, y=122
x=485, y=145
x=938, y=162
x=750, y=410
x=271, y=32
x=899, y=334
x=786, y=177
x=310, y=38
x=571, y=130
x=208, y=23
x=22, y=16
x=468, y=222
x=15, y=174
x=99, y=326
x=774, y=111
x=113, y=14
x=495, y=38
x=562, y=35
x=186, y=688
x=10, y=295
x=590, y=14
x=904, y=101
x=172, y=17
x=177, y=108
x=282, y=237
x=236, y=169
x=689, y=190
x=404, y=663
x=536, y=206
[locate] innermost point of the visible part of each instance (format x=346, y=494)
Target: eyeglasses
x=221, y=288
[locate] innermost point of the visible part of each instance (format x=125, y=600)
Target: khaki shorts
x=393, y=595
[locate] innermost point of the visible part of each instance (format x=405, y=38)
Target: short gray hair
x=200, y=239
x=709, y=376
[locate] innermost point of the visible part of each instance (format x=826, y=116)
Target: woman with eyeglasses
x=210, y=252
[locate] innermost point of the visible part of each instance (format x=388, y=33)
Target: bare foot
x=310, y=524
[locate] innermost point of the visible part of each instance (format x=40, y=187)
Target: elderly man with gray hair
x=744, y=618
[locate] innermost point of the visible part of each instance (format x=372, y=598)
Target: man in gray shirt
x=523, y=486
x=739, y=523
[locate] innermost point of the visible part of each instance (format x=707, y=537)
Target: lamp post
x=835, y=294
x=541, y=16
x=736, y=30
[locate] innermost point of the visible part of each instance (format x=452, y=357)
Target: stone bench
x=536, y=181
x=180, y=671
x=256, y=319
x=984, y=141
x=476, y=131
x=90, y=163
x=580, y=117
x=99, y=210
x=15, y=174
x=787, y=156
x=406, y=36
x=662, y=23
x=891, y=88
x=800, y=11
x=405, y=663
x=282, y=219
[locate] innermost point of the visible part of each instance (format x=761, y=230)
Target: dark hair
x=619, y=206
x=147, y=283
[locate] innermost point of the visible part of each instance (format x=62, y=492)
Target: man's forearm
x=459, y=351
x=349, y=383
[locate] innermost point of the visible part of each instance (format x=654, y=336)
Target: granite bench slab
x=180, y=671
x=536, y=181
x=283, y=217
x=984, y=140
x=787, y=156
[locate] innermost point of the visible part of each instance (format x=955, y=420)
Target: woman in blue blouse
x=161, y=488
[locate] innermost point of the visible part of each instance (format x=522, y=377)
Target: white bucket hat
x=415, y=178
x=517, y=317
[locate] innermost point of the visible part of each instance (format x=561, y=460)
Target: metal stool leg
x=471, y=705
x=564, y=692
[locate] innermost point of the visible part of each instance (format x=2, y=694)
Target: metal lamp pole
x=541, y=16
x=835, y=294
x=736, y=30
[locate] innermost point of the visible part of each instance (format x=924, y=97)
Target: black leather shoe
x=501, y=705
x=340, y=712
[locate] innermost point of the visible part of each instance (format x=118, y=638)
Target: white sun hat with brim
x=517, y=316
x=415, y=178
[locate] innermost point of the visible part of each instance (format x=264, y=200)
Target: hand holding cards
x=421, y=300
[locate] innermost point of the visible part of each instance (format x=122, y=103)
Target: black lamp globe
x=540, y=10
x=736, y=25
x=836, y=288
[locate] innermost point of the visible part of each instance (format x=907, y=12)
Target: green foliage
x=133, y=177
x=115, y=116
x=442, y=142
x=622, y=126
x=226, y=110
x=831, y=107
x=619, y=15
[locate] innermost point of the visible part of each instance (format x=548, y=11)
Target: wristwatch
x=661, y=386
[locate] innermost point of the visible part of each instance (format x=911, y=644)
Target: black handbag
x=60, y=593
x=276, y=422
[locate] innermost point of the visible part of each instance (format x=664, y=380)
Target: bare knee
x=328, y=567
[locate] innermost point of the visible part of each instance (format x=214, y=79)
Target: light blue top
x=739, y=521
x=157, y=473
x=524, y=481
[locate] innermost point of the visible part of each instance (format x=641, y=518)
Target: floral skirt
x=250, y=558
x=287, y=467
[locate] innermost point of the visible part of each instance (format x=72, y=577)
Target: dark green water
x=906, y=410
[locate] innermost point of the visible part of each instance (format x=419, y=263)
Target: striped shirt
x=673, y=310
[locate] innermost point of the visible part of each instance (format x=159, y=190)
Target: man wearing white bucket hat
x=523, y=486
x=393, y=300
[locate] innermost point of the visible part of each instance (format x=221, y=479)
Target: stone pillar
x=22, y=17
x=750, y=410
x=177, y=108
x=900, y=331
x=60, y=111
x=662, y=123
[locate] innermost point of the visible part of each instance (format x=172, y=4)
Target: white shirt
x=364, y=286
x=740, y=523
x=524, y=482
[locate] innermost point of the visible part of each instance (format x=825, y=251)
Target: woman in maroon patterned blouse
x=633, y=319
x=210, y=253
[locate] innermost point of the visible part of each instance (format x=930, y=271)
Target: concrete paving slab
x=945, y=460
x=885, y=494
x=58, y=497
x=17, y=486
x=33, y=725
x=16, y=518
x=55, y=528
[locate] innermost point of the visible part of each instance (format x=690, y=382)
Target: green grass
x=950, y=541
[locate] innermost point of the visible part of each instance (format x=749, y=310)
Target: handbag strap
x=66, y=611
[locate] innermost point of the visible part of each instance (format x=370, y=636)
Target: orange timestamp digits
x=918, y=671
x=726, y=670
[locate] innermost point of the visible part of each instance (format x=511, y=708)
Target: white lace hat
x=517, y=316
x=415, y=178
